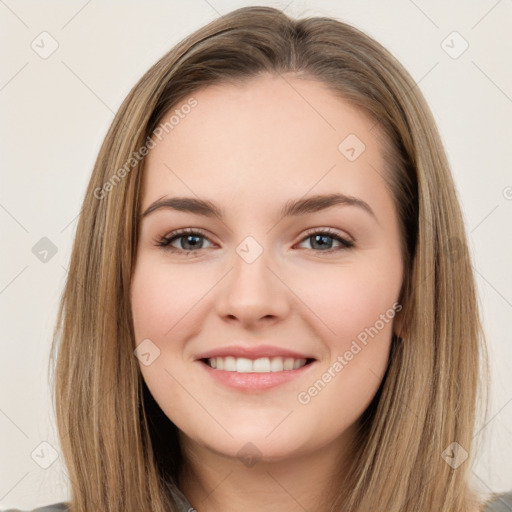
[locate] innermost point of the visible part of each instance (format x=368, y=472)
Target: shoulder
x=56, y=507
x=499, y=503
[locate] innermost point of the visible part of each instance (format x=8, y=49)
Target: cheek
x=356, y=305
x=161, y=299
x=149, y=303
x=168, y=305
x=161, y=304
x=348, y=299
x=359, y=302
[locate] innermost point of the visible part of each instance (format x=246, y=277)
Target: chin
x=251, y=445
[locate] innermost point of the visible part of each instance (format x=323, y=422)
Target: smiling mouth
x=261, y=365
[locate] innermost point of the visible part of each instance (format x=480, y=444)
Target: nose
x=252, y=293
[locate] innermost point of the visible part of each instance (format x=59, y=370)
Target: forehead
x=269, y=135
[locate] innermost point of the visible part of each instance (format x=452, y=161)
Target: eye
x=189, y=240
x=322, y=239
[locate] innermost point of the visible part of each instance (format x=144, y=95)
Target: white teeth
x=296, y=364
x=243, y=365
x=229, y=364
x=276, y=365
x=262, y=365
x=288, y=363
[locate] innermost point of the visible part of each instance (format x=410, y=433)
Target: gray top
x=57, y=507
x=181, y=500
x=501, y=503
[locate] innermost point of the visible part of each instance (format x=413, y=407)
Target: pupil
x=188, y=237
x=319, y=238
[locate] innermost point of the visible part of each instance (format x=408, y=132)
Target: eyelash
x=165, y=242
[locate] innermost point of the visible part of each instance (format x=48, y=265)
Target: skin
x=250, y=149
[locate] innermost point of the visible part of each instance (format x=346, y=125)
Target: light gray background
x=56, y=111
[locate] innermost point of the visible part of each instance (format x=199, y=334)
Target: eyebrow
x=291, y=208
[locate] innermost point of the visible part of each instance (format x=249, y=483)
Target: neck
x=213, y=482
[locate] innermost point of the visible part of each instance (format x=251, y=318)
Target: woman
x=260, y=373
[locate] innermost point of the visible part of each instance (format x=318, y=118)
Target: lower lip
x=255, y=381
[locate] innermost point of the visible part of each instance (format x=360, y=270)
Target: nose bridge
x=252, y=290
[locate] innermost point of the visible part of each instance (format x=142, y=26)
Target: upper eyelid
x=187, y=231
x=330, y=231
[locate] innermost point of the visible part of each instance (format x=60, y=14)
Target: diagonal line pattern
x=495, y=289
x=207, y=2
x=200, y=404
x=70, y=222
x=492, y=211
x=424, y=14
x=14, y=423
x=286, y=491
x=301, y=300
x=491, y=80
x=309, y=190
x=307, y=101
x=424, y=76
x=198, y=301
x=282, y=421
x=14, y=14
x=13, y=279
x=87, y=86
x=14, y=76
x=497, y=500
x=217, y=486
x=13, y=217
x=485, y=15
x=487, y=423
x=416, y=83
x=165, y=165
x=76, y=14
x=12, y=488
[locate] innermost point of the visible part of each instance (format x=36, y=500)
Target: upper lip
x=252, y=352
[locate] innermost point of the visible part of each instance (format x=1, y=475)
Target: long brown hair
x=121, y=451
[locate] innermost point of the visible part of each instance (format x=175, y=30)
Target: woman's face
x=255, y=282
